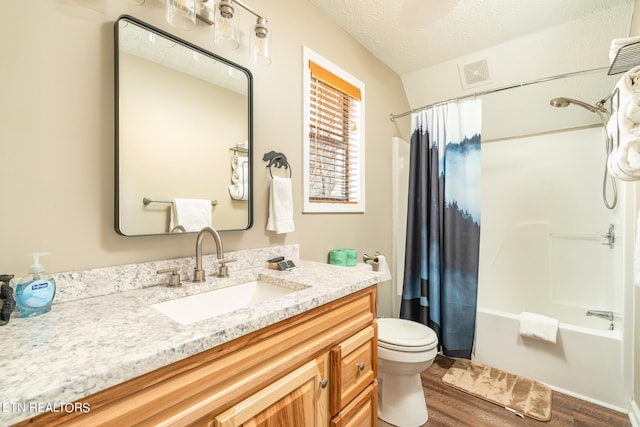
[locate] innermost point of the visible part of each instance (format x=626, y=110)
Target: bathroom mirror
x=183, y=131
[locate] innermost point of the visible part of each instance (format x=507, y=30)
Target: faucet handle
x=174, y=279
x=223, y=270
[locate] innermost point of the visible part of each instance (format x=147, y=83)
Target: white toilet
x=405, y=349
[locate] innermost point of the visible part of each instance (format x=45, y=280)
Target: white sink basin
x=194, y=308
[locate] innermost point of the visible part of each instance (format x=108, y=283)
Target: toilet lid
x=405, y=335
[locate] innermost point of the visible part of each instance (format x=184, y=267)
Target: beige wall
x=57, y=133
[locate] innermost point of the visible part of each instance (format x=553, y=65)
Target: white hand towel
x=629, y=121
x=280, y=206
x=234, y=162
x=192, y=214
x=620, y=169
x=617, y=44
x=628, y=156
x=240, y=173
x=629, y=84
x=539, y=327
x=239, y=191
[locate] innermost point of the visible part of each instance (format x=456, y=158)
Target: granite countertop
x=86, y=345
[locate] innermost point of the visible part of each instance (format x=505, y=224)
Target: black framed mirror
x=183, y=133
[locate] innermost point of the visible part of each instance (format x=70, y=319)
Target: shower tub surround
x=102, y=331
x=545, y=251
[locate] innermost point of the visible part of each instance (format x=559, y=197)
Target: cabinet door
x=298, y=399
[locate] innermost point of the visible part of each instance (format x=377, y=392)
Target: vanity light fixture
x=223, y=15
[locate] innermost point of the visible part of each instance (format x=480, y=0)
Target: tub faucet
x=198, y=272
x=601, y=314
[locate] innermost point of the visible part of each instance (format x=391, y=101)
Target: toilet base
x=401, y=400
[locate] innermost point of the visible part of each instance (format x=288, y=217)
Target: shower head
x=564, y=102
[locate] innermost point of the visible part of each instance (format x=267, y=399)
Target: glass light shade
x=227, y=33
x=181, y=13
x=260, y=47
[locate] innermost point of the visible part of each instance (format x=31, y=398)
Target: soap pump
x=34, y=294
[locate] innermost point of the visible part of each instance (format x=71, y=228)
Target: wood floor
x=450, y=407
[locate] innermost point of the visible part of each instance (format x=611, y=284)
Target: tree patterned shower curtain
x=443, y=224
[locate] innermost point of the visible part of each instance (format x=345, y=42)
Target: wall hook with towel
x=280, y=217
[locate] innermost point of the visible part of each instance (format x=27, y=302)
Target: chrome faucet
x=198, y=272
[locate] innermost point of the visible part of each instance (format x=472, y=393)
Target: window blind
x=334, y=137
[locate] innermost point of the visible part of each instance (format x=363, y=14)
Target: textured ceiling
x=409, y=35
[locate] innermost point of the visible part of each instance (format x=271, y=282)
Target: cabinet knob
x=361, y=366
x=324, y=383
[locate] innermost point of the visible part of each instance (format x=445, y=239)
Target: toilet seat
x=405, y=335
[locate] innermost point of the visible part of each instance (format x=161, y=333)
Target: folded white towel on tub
x=539, y=327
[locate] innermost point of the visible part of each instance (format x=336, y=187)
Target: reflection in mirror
x=183, y=131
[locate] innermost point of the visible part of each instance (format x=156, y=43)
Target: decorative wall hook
x=278, y=160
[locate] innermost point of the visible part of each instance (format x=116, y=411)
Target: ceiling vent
x=474, y=74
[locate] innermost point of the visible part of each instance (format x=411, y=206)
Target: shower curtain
x=443, y=224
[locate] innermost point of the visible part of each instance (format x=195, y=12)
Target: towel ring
x=278, y=160
x=287, y=166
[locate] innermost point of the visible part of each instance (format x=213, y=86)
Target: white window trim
x=315, y=207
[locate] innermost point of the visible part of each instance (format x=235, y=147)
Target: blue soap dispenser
x=34, y=294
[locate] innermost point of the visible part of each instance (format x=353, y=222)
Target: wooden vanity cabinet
x=315, y=369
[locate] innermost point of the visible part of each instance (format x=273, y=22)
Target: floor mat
x=519, y=394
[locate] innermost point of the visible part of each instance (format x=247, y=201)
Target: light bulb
x=181, y=13
x=226, y=31
x=260, y=43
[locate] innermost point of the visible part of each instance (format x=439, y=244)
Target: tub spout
x=601, y=314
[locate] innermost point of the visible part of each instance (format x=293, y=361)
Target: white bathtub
x=576, y=365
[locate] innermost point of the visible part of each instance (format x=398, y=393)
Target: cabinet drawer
x=361, y=412
x=354, y=365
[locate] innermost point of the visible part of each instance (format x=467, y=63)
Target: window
x=333, y=138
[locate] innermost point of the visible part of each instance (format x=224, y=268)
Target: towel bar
x=147, y=200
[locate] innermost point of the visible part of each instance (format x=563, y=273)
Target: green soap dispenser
x=34, y=294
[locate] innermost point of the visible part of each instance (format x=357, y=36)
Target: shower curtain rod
x=392, y=116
